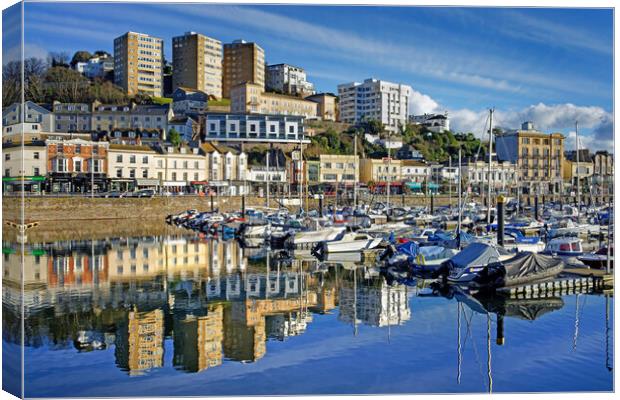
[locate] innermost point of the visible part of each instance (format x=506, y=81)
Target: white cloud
x=420, y=103
x=596, y=122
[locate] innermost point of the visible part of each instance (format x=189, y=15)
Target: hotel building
x=538, y=157
x=250, y=98
x=288, y=79
x=254, y=128
x=138, y=64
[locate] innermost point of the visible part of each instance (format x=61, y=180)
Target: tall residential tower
x=243, y=62
x=138, y=63
x=197, y=63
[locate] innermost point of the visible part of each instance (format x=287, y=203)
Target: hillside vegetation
x=437, y=147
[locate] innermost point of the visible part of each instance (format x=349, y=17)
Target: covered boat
x=524, y=268
x=466, y=265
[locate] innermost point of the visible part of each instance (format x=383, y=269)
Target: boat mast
x=355, y=171
x=578, y=194
x=489, y=166
x=389, y=177
x=267, y=176
x=460, y=200
x=301, y=174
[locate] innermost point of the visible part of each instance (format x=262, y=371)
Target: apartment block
x=243, y=62
x=288, y=79
x=250, y=98
x=197, y=63
x=538, y=157
x=226, y=169
x=25, y=166
x=138, y=64
x=375, y=99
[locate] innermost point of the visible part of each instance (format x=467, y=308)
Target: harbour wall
x=74, y=208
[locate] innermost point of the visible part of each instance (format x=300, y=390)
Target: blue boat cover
x=410, y=249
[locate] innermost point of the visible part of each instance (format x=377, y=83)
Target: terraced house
x=74, y=164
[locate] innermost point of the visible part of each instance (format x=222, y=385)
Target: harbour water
x=177, y=314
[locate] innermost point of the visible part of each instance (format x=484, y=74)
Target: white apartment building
x=226, y=169
x=414, y=171
x=96, y=67
x=255, y=128
x=180, y=168
x=288, y=79
x=433, y=122
x=503, y=174
x=131, y=166
x=375, y=100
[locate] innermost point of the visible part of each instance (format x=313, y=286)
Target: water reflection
x=213, y=300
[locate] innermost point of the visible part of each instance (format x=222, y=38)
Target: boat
x=350, y=242
x=598, y=259
x=465, y=265
x=525, y=267
x=308, y=239
x=565, y=246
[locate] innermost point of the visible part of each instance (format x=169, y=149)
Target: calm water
x=180, y=315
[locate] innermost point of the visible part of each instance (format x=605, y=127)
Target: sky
x=551, y=66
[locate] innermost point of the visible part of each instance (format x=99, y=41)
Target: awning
x=121, y=180
x=147, y=182
x=218, y=183
x=23, y=178
x=414, y=185
x=433, y=186
x=175, y=183
x=199, y=182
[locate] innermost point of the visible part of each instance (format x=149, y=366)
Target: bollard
x=321, y=205
x=211, y=203
x=243, y=206
x=500, y=220
x=500, y=330
x=536, y=207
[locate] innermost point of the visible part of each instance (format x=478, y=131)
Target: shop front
x=381, y=188
x=199, y=186
x=28, y=184
x=122, y=185
x=143, y=183
x=175, y=187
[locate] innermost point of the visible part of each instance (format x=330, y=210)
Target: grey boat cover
x=475, y=254
x=529, y=264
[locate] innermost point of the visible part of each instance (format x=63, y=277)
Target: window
x=119, y=158
x=185, y=164
x=7, y=172
x=36, y=171
x=196, y=176
x=145, y=160
x=78, y=148
x=132, y=159
x=77, y=166
x=196, y=165
x=291, y=129
x=145, y=173
x=132, y=173
x=174, y=176
x=119, y=172
x=185, y=176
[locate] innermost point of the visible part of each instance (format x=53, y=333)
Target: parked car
x=115, y=194
x=145, y=193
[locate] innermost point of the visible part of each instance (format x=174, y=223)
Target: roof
x=413, y=163
x=162, y=148
x=180, y=120
x=129, y=147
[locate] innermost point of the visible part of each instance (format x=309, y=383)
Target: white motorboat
x=351, y=242
x=306, y=240
x=466, y=265
x=565, y=246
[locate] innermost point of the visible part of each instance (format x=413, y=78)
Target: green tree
x=80, y=56
x=65, y=85
x=174, y=137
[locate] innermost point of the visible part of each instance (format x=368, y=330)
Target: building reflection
x=213, y=301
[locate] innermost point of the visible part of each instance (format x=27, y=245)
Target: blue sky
x=549, y=65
